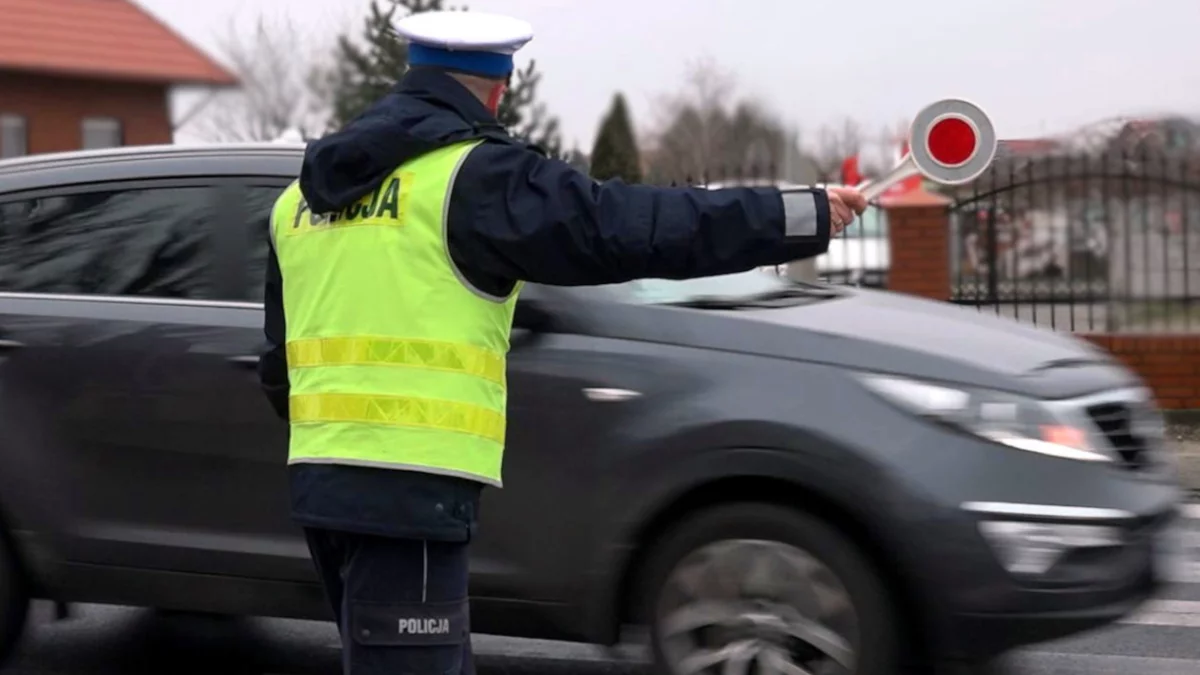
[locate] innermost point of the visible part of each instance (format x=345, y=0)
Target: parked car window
x=150, y=242
x=872, y=224
x=259, y=204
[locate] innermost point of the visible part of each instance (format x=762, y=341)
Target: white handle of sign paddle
x=874, y=189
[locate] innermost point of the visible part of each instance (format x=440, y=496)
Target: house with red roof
x=82, y=74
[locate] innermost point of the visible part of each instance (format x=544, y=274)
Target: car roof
x=221, y=160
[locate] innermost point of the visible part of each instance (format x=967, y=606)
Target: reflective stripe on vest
x=393, y=360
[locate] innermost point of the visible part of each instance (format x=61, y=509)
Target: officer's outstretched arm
x=517, y=215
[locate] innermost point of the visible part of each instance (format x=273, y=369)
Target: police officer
x=396, y=263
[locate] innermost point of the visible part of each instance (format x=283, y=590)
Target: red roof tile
x=105, y=39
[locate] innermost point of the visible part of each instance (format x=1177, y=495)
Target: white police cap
x=472, y=42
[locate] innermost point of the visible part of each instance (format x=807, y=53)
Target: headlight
x=1016, y=421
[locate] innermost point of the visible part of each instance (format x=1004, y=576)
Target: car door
x=505, y=554
x=560, y=428
x=120, y=356
x=569, y=395
x=254, y=437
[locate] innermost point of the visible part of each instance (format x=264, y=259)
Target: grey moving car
x=762, y=472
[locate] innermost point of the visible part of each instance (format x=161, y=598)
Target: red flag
x=850, y=174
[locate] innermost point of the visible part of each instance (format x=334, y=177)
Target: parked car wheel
x=757, y=588
x=14, y=600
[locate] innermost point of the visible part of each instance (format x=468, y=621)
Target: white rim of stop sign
x=981, y=158
x=953, y=116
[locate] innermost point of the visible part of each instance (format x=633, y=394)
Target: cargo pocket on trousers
x=412, y=637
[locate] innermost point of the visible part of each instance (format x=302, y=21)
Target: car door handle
x=607, y=395
x=245, y=360
x=10, y=344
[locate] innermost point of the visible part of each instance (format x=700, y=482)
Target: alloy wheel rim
x=756, y=607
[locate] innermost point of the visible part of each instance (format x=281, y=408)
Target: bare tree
x=834, y=145
x=897, y=136
x=278, y=94
x=879, y=155
x=706, y=130
x=684, y=144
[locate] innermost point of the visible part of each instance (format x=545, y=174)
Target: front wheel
x=750, y=589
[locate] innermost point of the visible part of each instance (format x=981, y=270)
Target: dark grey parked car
x=762, y=472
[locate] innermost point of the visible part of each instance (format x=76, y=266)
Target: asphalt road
x=1162, y=639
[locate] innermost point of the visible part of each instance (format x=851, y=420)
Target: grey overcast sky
x=1037, y=66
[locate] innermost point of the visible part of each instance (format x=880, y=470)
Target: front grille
x=1119, y=422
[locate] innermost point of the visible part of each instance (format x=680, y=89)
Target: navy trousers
x=401, y=604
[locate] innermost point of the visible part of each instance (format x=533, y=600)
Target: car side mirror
x=532, y=315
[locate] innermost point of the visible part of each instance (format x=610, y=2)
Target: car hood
x=874, y=330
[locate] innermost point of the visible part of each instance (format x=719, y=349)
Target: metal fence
x=1105, y=242
x=859, y=257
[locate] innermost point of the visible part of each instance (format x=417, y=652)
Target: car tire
x=795, y=575
x=14, y=600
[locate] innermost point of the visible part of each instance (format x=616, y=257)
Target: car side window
x=260, y=201
x=142, y=242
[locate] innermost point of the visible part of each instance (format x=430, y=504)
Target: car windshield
x=740, y=286
x=755, y=283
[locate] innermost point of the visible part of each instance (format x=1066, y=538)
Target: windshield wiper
x=773, y=298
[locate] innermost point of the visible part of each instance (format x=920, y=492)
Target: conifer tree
x=615, y=153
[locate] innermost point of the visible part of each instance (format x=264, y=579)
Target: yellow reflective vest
x=394, y=360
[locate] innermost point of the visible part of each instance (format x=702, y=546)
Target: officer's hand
x=844, y=204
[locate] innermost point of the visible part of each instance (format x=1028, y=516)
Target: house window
x=102, y=132
x=14, y=136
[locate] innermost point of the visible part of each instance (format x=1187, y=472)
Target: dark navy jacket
x=514, y=215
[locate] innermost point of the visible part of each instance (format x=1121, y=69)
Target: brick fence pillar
x=919, y=243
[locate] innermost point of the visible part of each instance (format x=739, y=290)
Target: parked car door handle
x=245, y=360
x=10, y=344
